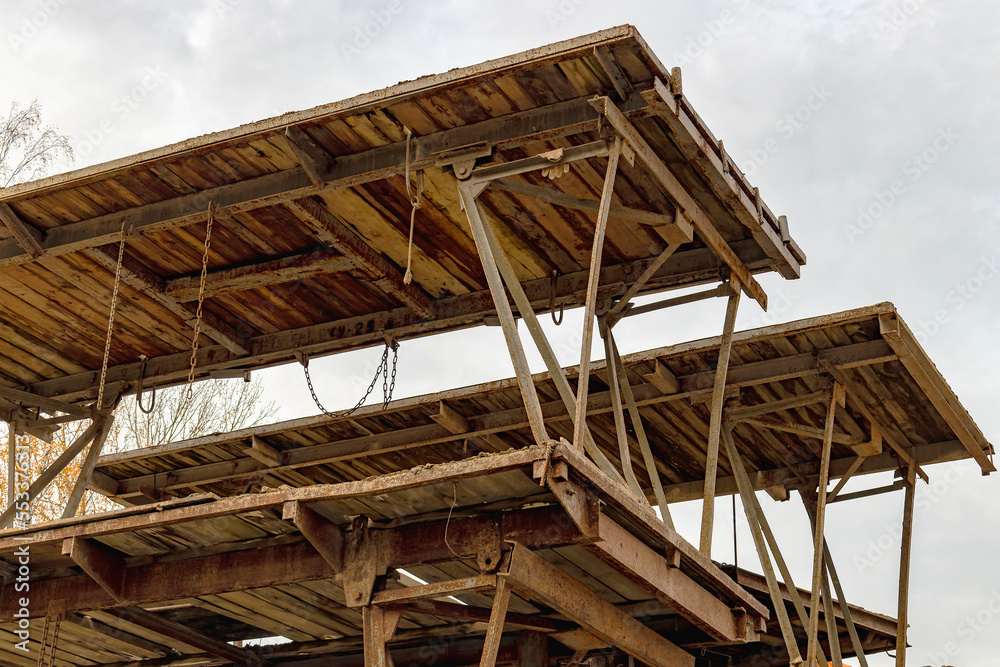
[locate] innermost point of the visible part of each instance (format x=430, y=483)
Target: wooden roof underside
x=892, y=387
x=310, y=246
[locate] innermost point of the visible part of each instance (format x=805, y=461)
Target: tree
x=28, y=147
x=214, y=406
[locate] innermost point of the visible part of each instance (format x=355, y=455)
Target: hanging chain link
x=111, y=318
x=201, y=299
x=388, y=382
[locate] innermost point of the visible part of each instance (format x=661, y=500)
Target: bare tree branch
x=28, y=148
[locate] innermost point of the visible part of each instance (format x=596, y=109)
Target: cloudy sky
x=870, y=124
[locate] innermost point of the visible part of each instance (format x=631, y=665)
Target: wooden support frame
x=26, y=236
x=315, y=161
x=715, y=423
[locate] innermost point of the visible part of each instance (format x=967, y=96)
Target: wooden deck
x=309, y=243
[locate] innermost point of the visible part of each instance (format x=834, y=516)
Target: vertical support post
x=624, y=447
x=544, y=348
x=859, y=649
x=374, y=627
x=819, y=543
x=590, y=309
x=904, y=569
x=491, y=644
x=750, y=506
x=87, y=467
x=11, y=460
x=506, y=315
x=715, y=424
x=640, y=432
x=532, y=649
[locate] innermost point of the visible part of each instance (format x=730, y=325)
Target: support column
x=904, y=570
x=491, y=643
x=590, y=309
x=532, y=649
x=819, y=543
x=506, y=315
x=374, y=626
x=106, y=421
x=715, y=425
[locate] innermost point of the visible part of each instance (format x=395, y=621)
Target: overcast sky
x=871, y=125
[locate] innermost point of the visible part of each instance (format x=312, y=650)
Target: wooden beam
x=104, y=567
x=141, y=278
x=317, y=163
x=532, y=577
x=663, y=378
x=448, y=417
x=29, y=238
x=331, y=230
x=105, y=421
x=265, y=453
x=182, y=633
x=259, y=274
x=465, y=612
x=775, y=424
x=678, y=193
x=906, y=547
x=927, y=377
x=739, y=414
x=325, y=536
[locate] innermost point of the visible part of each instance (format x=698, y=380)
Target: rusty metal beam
x=532, y=577
x=679, y=194
x=104, y=567
x=715, y=420
x=324, y=535
x=494, y=631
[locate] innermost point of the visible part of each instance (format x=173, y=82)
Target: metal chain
x=201, y=299
x=111, y=318
x=382, y=371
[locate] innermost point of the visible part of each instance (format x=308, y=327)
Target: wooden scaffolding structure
x=519, y=522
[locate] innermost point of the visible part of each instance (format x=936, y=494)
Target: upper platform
x=309, y=242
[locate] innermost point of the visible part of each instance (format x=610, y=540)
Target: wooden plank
x=29, y=238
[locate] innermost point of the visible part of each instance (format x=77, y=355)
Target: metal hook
x=552, y=299
x=138, y=391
